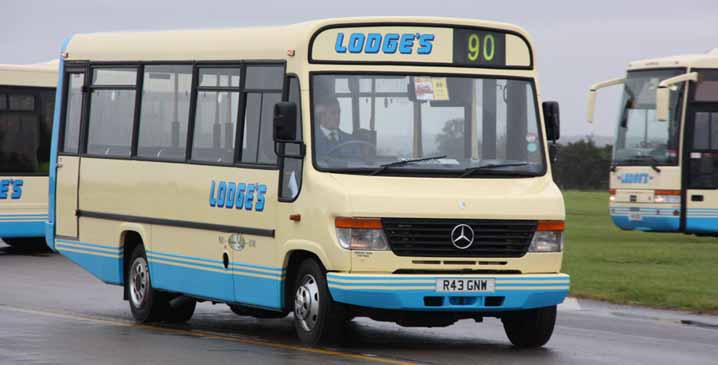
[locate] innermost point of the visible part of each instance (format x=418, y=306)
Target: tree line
x=582, y=165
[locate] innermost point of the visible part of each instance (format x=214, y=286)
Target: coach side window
x=112, y=107
x=215, y=121
x=164, y=112
x=263, y=88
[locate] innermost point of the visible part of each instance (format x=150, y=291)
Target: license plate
x=634, y=216
x=465, y=285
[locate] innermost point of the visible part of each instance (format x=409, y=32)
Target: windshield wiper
x=385, y=166
x=654, y=161
x=471, y=170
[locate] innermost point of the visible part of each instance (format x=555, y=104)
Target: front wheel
x=530, y=328
x=317, y=318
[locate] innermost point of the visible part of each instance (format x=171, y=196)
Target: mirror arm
x=663, y=93
x=592, y=94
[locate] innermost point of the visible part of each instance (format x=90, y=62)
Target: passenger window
x=25, y=130
x=165, y=112
x=264, y=77
x=291, y=174
x=73, y=113
x=3, y=102
x=701, y=135
x=112, y=110
x=21, y=103
x=707, y=91
x=264, y=86
x=215, y=121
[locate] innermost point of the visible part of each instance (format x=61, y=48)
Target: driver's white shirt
x=328, y=133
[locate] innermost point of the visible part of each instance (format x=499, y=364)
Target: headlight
x=548, y=237
x=361, y=234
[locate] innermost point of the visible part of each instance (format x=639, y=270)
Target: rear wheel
x=179, y=309
x=530, y=328
x=146, y=303
x=317, y=318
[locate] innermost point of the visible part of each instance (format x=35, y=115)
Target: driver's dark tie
x=333, y=137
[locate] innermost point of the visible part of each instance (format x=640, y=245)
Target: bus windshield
x=425, y=125
x=640, y=138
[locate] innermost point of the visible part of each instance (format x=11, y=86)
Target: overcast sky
x=576, y=42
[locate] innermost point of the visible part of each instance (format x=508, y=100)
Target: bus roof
x=268, y=43
x=700, y=60
x=36, y=75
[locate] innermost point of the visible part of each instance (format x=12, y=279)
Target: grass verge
x=662, y=270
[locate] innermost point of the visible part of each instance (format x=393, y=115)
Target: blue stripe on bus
x=107, y=269
x=19, y=229
x=213, y=261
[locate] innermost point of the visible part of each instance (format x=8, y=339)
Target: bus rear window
x=25, y=128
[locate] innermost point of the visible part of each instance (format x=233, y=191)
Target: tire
x=530, y=328
x=179, y=311
x=26, y=243
x=146, y=303
x=317, y=318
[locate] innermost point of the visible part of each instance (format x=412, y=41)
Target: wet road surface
x=51, y=311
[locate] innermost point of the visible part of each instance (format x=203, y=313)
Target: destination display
x=459, y=46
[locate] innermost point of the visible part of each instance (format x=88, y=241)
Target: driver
x=330, y=139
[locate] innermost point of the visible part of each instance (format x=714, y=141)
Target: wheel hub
x=138, y=282
x=306, y=303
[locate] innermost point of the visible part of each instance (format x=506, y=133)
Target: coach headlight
x=548, y=237
x=361, y=234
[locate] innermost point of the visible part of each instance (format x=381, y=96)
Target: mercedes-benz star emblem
x=462, y=236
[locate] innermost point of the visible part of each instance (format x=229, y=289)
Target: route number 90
x=481, y=49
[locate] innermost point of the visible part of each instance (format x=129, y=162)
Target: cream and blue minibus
x=664, y=173
x=27, y=99
x=391, y=168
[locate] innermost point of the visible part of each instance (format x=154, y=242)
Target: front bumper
x=418, y=293
x=641, y=218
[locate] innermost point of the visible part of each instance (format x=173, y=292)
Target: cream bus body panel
x=24, y=216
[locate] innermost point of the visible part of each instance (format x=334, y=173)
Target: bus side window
x=112, y=110
x=164, y=112
x=291, y=174
x=264, y=89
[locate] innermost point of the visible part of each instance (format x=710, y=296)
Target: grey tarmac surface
x=51, y=311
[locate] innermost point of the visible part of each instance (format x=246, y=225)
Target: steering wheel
x=341, y=145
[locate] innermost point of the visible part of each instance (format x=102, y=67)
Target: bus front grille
x=433, y=237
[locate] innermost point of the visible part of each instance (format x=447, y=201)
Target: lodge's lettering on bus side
x=373, y=43
x=11, y=188
x=227, y=194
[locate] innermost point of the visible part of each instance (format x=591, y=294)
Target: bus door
x=701, y=198
x=68, y=160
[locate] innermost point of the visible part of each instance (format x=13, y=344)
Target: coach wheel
x=530, y=328
x=146, y=304
x=317, y=318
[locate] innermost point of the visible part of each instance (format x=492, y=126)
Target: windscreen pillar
x=488, y=120
x=517, y=121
